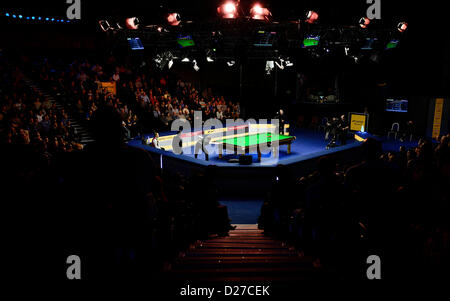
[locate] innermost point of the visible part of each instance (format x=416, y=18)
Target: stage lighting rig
x=260, y=13
x=312, y=17
x=210, y=55
x=228, y=10
x=364, y=22
x=402, y=26
x=161, y=60
x=195, y=66
x=174, y=19
x=104, y=25
x=132, y=23
x=269, y=67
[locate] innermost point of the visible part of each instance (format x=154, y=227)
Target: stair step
x=268, y=272
x=240, y=252
x=240, y=246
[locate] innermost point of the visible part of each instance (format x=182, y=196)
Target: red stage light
x=228, y=10
x=312, y=17
x=259, y=13
x=174, y=19
x=364, y=22
x=132, y=23
x=402, y=26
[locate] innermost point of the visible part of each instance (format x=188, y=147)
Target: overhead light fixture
x=269, y=66
x=132, y=23
x=260, y=13
x=279, y=65
x=185, y=60
x=210, y=55
x=173, y=19
x=196, y=67
x=170, y=64
x=163, y=59
x=228, y=10
x=311, y=17
x=104, y=25
x=231, y=63
x=364, y=22
x=402, y=26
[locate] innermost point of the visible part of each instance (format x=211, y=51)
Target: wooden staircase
x=246, y=255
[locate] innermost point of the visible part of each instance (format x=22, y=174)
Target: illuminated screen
x=185, y=41
x=397, y=105
x=135, y=43
x=392, y=44
x=311, y=41
x=265, y=38
x=368, y=44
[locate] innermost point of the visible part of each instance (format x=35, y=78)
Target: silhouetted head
x=372, y=149
x=106, y=126
x=327, y=165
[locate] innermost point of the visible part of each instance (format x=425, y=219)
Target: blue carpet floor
x=243, y=211
x=394, y=145
x=308, y=144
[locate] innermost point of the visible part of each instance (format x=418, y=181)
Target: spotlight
x=13, y=16
x=346, y=49
x=20, y=16
x=163, y=59
x=364, y=22
x=170, y=64
x=259, y=13
x=210, y=55
x=311, y=17
x=228, y=10
x=104, y=25
x=32, y=18
x=279, y=65
x=46, y=19
x=269, y=66
x=231, y=63
x=196, y=67
x=7, y=14
x=132, y=23
x=185, y=60
x=174, y=19
x=402, y=26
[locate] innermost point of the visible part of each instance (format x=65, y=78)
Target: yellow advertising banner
x=438, y=107
x=110, y=87
x=358, y=122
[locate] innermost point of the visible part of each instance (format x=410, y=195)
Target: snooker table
x=251, y=142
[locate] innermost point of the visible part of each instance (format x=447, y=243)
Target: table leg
x=259, y=155
x=220, y=151
x=289, y=148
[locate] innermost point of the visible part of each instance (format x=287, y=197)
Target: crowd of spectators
x=30, y=119
x=145, y=99
x=105, y=201
x=395, y=205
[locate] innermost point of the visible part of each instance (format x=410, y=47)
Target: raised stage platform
x=231, y=177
